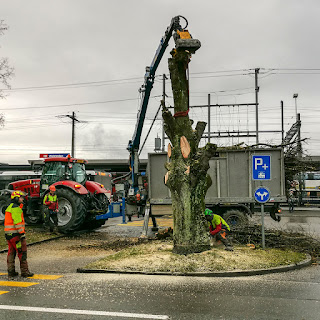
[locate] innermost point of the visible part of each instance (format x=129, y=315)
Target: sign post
x=262, y=195
x=261, y=170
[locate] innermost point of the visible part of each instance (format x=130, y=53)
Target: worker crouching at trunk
x=51, y=211
x=14, y=229
x=218, y=228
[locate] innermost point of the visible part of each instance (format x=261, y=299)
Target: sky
x=89, y=57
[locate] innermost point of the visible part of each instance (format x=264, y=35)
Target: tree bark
x=187, y=175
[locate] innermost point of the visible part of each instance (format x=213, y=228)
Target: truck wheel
x=72, y=211
x=4, y=203
x=235, y=218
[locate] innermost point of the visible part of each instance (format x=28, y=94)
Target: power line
x=73, y=104
x=76, y=85
x=108, y=82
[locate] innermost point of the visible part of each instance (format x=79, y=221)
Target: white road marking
x=85, y=312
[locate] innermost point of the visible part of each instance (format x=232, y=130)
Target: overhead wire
x=72, y=104
x=77, y=85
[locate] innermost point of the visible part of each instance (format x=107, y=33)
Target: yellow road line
x=38, y=276
x=2, y=292
x=45, y=277
x=17, y=284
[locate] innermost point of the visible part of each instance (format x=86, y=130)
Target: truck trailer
x=231, y=194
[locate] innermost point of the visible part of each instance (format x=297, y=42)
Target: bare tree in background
x=6, y=72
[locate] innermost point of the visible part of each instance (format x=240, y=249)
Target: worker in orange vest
x=14, y=229
x=51, y=212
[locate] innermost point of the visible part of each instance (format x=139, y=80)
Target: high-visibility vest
x=53, y=199
x=216, y=221
x=14, y=220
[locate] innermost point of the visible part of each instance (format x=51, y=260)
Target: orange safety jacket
x=14, y=220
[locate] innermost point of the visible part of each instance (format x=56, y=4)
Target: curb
x=238, y=273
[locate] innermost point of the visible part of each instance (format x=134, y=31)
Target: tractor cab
x=59, y=169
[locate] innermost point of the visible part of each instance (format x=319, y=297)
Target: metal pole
x=72, y=139
x=256, y=72
x=282, y=122
x=262, y=226
x=209, y=116
x=164, y=101
x=299, y=136
x=299, y=154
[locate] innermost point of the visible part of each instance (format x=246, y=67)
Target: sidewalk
x=286, y=208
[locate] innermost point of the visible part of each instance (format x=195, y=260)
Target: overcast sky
x=89, y=56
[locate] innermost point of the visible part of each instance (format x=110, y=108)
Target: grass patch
x=33, y=234
x=156, y=256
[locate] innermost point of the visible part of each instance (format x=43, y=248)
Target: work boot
x=56, y=230
x=13, y=274
x=27, y=274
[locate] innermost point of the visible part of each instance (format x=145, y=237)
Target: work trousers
x=17, y=246
x=51, y=219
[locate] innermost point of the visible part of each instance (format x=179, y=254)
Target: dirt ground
x=64, y=255
x=118, y=247
x=101, y=250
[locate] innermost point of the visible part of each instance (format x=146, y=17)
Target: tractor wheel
x=72, y=211
x=4, y=203
x=236, y=218
x=103, y=201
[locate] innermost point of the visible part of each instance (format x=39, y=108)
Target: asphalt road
x=291, y=295
x=304, y=220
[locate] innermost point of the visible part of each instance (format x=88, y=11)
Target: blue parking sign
x=261, y=167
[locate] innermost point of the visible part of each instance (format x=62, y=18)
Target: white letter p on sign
x=257, y=162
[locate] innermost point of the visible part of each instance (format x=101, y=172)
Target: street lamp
x=295, y=96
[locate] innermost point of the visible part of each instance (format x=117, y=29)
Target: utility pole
x=164, y=78
x=256, y=72
x=74, y=120
x=209, y=117
x=282, y=122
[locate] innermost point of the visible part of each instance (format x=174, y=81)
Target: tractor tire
x=72, y=211
x=236, y=218
x=104, y=201
x=4, y=203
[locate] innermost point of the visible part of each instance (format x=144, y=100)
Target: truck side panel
x=231, y=175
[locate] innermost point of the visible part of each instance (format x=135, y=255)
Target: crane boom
x=146, y=88
x=183, y=41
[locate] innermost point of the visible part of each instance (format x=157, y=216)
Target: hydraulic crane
x=183, y=41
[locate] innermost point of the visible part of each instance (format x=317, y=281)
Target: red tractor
x=80, y=200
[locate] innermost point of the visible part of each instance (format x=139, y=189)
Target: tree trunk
x=188, y=164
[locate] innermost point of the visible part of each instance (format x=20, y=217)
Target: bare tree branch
x=6, y=72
